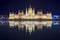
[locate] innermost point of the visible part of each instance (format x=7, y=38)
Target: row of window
x=53, y=17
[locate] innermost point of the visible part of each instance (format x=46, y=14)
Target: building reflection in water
x=30, y=25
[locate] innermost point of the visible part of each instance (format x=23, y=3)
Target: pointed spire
x=30, y=6
x=26, y=10
x=33, y=11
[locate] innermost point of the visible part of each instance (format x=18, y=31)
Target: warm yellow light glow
x=30, y=14
x=30, y=25
x=30, y=8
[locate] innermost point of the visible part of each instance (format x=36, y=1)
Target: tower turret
x=40, y=13
x=33, y=11
x=26, y=11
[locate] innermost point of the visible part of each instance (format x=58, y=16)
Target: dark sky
x=14, y=5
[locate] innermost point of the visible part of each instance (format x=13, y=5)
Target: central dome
x=30, y=8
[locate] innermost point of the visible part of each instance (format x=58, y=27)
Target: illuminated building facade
x=30, y=14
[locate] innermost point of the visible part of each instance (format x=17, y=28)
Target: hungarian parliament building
x=30, y=14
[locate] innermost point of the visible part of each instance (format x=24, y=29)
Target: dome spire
x=30, y=8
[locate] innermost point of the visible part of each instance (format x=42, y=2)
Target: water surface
x=29, y=30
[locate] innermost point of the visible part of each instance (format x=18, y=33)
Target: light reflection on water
x=30, y=26
x=29, y=30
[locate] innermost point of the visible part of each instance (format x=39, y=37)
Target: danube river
x=29, y=30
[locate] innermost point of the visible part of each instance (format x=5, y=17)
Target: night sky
x=14, y=5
